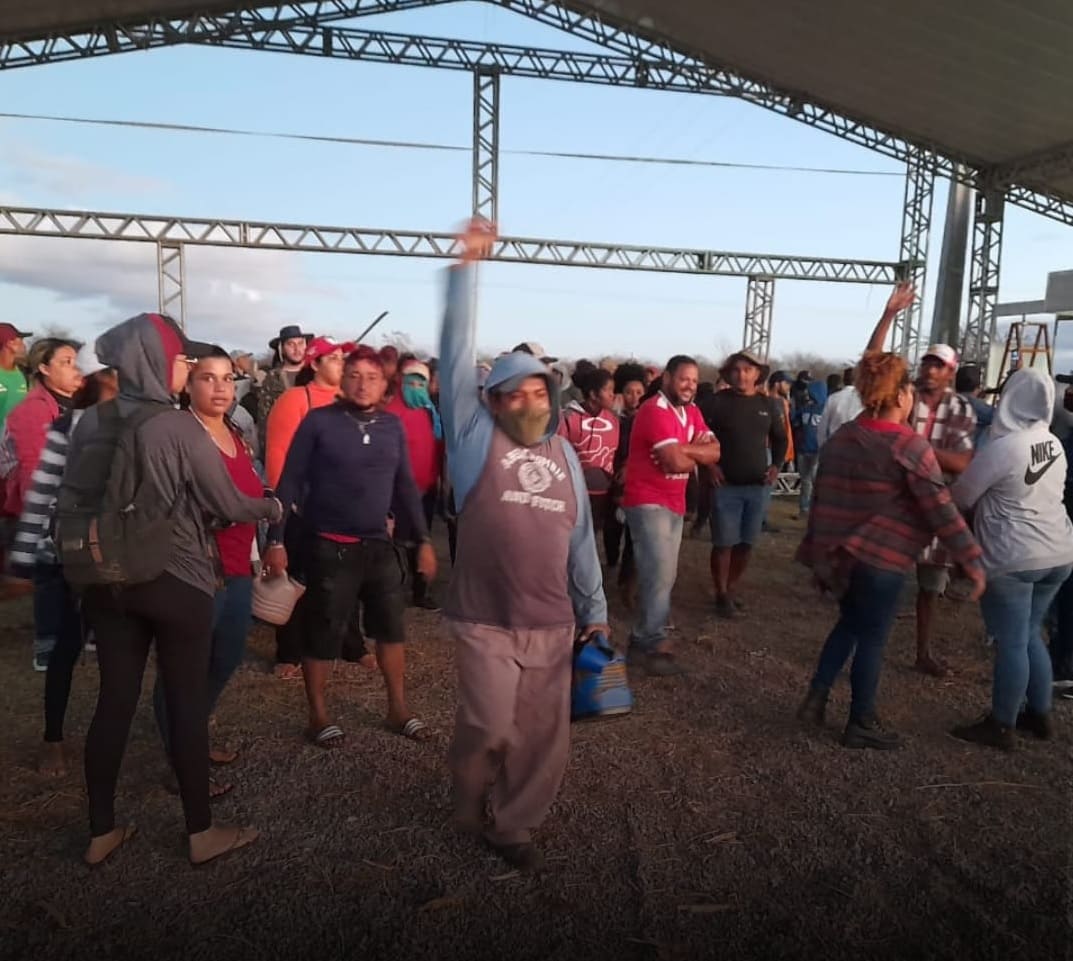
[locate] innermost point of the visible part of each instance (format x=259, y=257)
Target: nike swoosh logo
x=1031, y=476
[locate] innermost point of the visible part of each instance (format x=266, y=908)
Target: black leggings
x=179, y=618
x=49, y=580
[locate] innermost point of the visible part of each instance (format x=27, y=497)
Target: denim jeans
x=231, y=620
x=50, y=590
x=867, y=612
x=656, y=533
x=806, y=468
x=1014, y=606
x=1062, y=633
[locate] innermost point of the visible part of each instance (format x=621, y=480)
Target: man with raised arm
x=526, y=580
x=946, y=420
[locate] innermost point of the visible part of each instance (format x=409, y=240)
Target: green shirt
x=12, y=391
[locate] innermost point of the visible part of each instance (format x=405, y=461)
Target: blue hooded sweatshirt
x=469, y=428
x=806, y=419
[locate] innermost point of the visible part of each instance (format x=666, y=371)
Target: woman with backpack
x=53, y=364
x=159, y=468
x=211, y=393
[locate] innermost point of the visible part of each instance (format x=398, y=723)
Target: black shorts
x=338, y=578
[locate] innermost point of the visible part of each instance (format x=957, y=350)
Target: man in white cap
x=948, y=422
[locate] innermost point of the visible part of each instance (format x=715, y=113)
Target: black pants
x=69, y=641
x=289, y=641
x=178, y=618
x=1062, y=638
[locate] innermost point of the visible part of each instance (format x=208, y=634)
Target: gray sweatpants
x=512, y=729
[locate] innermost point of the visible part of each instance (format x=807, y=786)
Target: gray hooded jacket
x=1016, y=482
x=179, y=457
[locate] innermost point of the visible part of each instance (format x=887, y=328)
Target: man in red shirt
x=669, y=440
x=424, y=441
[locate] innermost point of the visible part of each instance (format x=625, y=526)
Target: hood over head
x=143, y=350
x=511, y=369
x=1027, y=401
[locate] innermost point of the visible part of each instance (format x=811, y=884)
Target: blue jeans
x=231, y=620
x=868, y=608
x=738, y=513
x=50, y=591
x=1014, y=606
x=806, y=468
x=656, y=533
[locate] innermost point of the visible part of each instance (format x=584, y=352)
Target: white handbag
x=274, y=598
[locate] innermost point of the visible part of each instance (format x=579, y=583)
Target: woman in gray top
x=1015, y=485
x=174, y=610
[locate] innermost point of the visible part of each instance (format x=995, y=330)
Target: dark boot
x=987, y=732
x=813, y=710
x=526, y=857
x=867, y=732
x=1040, y=726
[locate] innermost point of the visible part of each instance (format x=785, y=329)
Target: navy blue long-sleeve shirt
x=345, y=485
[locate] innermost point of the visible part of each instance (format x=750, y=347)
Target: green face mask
x=524, y=427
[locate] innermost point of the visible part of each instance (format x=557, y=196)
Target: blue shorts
x=738, y=513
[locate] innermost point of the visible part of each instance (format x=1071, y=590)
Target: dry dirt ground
x=706, y=824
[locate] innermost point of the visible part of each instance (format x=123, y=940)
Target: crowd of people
x=155, y=484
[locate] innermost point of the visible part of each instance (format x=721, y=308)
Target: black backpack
x=112, y=525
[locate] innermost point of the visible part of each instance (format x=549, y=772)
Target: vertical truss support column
x=171, y=278
x=759, y=310
x=983, y=283
x=486, y=144
x=913, y=258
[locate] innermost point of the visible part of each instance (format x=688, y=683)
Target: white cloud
x=237, y=297
x=66, y=177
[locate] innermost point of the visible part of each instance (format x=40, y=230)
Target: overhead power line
x=455, y=148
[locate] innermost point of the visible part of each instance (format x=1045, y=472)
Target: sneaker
x=659, y=664
x=1062, y=684
x=40, y=663
x=724, y=608
x=1040, y=726
x=988, y=732
x=869, y=733
x=525, y=857
x=813, y=710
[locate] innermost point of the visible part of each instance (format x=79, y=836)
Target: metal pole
x=916, y=227
x=486, y=145
x=171, y=280
x=759, y=312
x=365, y=333
x=983, y=285
x=946, y=319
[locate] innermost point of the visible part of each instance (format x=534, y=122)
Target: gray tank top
x=514, y=539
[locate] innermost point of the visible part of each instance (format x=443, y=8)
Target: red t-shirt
x=426, y=453
x=594, y=438
x=236, y=542
x=657, y=423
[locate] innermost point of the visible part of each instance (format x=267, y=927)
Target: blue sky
x=240, y=297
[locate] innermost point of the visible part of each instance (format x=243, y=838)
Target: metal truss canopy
x=894, y=85
x=402, y=243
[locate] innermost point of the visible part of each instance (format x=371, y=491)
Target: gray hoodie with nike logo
x=1016, y=482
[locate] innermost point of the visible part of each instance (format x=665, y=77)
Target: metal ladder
x=1016, y=355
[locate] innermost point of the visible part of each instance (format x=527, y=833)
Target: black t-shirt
x=746, y=428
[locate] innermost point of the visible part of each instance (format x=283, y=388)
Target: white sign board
x=1059, y=297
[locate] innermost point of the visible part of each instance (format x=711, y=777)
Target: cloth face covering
x=415, y=395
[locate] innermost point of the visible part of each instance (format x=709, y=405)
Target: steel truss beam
x=983, y=285
x=252, y=20
x=486, y=144
x=916, y=226
x=759, y=312
x=258, y=235
x=171, y=277
x=254, y=25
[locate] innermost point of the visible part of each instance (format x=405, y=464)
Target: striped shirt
x=879, y=499
x=33, y=542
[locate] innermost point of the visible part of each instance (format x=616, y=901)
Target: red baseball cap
x=10, y=332
x=322, y=346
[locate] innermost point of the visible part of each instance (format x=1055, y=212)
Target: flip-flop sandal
x=288, y=672
x=222, y=758
x=217, y=791
x=414, y=730
x=128, y=832
x=328, y=737
x=243, y=838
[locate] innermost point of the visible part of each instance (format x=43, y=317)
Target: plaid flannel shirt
x=952, y=428
x=879, y=498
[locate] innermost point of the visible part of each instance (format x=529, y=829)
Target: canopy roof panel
x=985, y=82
